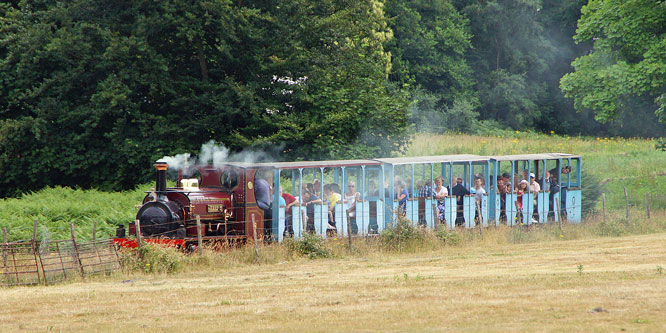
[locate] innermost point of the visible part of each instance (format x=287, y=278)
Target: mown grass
x=594, y=284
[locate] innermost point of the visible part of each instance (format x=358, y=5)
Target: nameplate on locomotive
x=215, y=208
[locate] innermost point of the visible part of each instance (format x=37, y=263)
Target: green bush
x=309, y=245
x=660, y=145
x=153, y=259
x=449, y=237
x=401, y=235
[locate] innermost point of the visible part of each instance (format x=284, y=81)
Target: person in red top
x=289, y=200
x=522, y=189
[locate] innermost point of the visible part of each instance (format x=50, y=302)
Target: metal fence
x=49, y=262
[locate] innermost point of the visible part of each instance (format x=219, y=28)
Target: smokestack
x=160, y=181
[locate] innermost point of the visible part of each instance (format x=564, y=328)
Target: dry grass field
x=595, y=284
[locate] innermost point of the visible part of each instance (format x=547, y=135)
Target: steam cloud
x=214, y=154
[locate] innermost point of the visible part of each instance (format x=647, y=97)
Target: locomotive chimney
x=160, y=181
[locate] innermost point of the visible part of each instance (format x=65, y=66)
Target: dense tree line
x=91, y=92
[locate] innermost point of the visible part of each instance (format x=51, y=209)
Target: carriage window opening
x=575, y=182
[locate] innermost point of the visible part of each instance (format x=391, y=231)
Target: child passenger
x=332, y=197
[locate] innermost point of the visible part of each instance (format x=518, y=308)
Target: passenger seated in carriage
x=516, y=181
x=408, y=186
x=561, y=188
x=523, y=187
x=459, y=191
x=502, y=189
x=424, y=192
x=310, y=200
x=545, y=183
x=316, y=185
x=351, y=197
x=372, y=189
x=332, y=197
x=535, y=188
x=479, y=191
x=262, y=194
x=440, y=194
x=554, y=190
x=402, y=195
x=289, y=201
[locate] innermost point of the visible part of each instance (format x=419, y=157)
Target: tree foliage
x=628, y=60
x=428, y=50
x=509, y=58
x=91, y=91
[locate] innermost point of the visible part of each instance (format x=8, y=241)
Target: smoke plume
x=215, y=154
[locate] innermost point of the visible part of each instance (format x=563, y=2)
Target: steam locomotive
x=213, y=205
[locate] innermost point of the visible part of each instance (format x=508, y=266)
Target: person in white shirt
x=351, y=196
x=479, y=191
x=535, y=188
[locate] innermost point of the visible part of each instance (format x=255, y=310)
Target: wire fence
x=52, y=261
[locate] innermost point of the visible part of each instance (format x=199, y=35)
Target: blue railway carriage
x=559, y=190
x=366, y=212
x=375, y=180
x=421, y=207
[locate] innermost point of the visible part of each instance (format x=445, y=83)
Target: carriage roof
x=534, y=157
x=304, y=164
x=433, y=159
x=399, y=161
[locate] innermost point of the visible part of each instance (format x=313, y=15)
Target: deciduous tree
x=628, y=61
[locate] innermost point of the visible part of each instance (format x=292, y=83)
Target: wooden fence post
x=603, y=202
x=647, y=200
x=4, y=246
x=76, y=249
x=435, y=216
x=34, y=230
x=35, y=252
x=94, y=235
x=559, y=213
x=94, y=241
x=626, y=202
x=304, y=221
x=137, y=224
x=199, y=239
x=254, y=235
x=349, y=232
